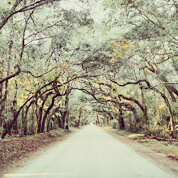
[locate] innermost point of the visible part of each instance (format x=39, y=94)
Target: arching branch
x=12, y=76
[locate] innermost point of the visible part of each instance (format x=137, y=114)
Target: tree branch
x=38, y=76
x=11, y=76
x=130, y=83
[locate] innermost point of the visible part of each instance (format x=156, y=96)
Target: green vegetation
x=63, y=65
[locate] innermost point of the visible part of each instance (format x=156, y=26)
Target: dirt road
x=90, y=153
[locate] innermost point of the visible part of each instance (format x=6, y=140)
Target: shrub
x=56, y=133
x=114, y=124
x=157, y=131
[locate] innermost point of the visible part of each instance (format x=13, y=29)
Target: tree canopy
x=73, y=62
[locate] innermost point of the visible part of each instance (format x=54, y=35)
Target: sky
x=96, y=9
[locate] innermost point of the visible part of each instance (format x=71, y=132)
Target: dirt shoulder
x=15, y=152
x=162, y=153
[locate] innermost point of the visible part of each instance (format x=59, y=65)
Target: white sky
x=95, y=8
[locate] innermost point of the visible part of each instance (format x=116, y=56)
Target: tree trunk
x=59, y=121
x=170, y=114
x=138, y=104
x=40, y=118
x=37, y=118
x=170, y=89
x=65, y=115
x=25, y=118
x=23, y=123
x=47, y=112
x=49, y=125
x=7, y=83
x=98, y=120
x=41, y=109
x=121, y=119
x=14, y=111
x=62, y=122
x=32, y=128
x=136, y=118
x=1, y=105
x=108, y=121
x=145, y=117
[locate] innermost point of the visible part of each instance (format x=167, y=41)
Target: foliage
x=60, y=63
x=114, y=124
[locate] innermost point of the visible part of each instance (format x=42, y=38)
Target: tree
x=125, y=66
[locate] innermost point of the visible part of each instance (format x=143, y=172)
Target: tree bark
x=1, y=105
x=121, y=119
x=25, y=118
x=145, y=117
x=108, y=121
x=14, y=111
x=47, y=112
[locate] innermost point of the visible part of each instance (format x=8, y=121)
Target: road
x=90, y=153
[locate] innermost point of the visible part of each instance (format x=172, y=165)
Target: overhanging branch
x=11, y=76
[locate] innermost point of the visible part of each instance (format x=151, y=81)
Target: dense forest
x=112, y=62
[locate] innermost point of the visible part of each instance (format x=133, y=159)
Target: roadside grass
x=168, y=148
x=53, y=133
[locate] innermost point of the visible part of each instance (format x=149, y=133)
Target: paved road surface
x=90, y=153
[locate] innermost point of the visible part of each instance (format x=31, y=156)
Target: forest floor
x=15, y=151
x=162, y=153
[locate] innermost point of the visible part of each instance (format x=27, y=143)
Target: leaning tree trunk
x=25, y=118
x=41, y=109
x=47, y=112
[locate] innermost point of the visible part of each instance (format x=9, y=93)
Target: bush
x=114, y=124
x=157, y=131
x=56, y=133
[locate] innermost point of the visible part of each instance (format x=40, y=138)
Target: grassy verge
x=169, y=148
